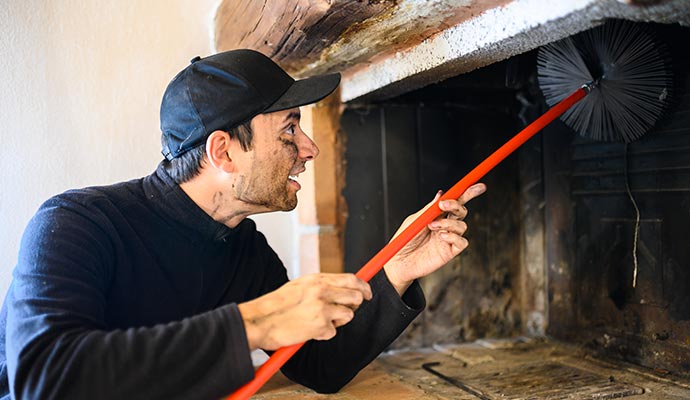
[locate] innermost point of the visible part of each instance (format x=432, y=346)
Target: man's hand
x=435, y=245
x=310, y=307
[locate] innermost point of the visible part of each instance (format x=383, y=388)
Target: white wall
x=80, y=89
x=281, y=230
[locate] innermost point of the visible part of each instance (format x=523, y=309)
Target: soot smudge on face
x=291, y=145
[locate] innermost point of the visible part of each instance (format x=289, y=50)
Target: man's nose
x=306, y=148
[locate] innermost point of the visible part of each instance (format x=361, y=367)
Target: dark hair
x=187, y=165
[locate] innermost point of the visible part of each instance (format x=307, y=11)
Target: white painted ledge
x=492, y=36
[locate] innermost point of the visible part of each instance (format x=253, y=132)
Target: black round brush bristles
x=632, y=79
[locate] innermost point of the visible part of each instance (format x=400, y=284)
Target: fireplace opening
x=552, y=242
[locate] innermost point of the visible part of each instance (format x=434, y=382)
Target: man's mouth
x=294, y=175
x=292, y=179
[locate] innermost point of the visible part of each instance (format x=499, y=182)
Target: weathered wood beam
x=292, y=32
x=317, y=36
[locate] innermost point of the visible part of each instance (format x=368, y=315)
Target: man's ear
x=219, y=150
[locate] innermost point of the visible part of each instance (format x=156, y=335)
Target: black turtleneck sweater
x=130, y=291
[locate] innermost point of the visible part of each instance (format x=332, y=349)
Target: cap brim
x=306, y=91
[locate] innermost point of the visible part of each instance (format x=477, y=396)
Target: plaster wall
x=79, y=100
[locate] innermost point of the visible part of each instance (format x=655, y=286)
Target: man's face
x=279, y=152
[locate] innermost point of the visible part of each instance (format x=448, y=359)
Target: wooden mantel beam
x=292, y=32
x=317, y=36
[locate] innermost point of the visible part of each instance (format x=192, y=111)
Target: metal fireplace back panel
x=591, y=227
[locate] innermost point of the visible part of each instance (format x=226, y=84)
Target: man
x=160, y=287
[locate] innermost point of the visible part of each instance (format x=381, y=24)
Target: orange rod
x=282, y=355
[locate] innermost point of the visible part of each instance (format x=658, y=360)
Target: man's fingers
x=340, y=315
x=346, y=297
x=456, y=208
x=457, y=242
x=309, y=307
x=335, y=316
x=449, y=225
x=346, y=281
x=453, y=209
x=472, y=192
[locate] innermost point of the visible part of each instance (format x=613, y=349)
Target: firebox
x=576, y=283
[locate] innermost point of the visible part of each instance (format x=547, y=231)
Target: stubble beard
x=274, y=194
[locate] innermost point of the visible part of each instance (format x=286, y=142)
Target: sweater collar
x=175, y=204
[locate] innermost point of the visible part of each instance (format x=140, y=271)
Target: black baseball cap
x=227, y=89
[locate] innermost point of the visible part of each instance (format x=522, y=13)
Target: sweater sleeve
x=58, y=345
x=327, y=366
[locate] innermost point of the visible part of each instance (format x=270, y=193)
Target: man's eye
x=290, y=130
